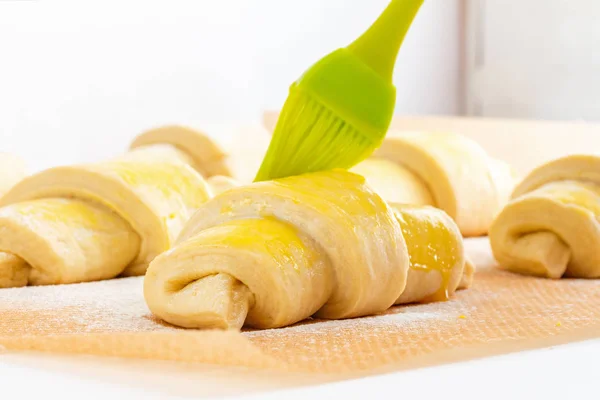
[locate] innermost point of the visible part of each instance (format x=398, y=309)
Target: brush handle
x=378, y=47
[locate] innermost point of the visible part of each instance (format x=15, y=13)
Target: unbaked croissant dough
x=273, y=253
x=12, y=170
x=445, y=170
x=97, y=221
x=550, y=227
x=436, y=254
x=220, y=149
x=220, y=183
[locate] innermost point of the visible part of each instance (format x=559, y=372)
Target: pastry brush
x=338, y=112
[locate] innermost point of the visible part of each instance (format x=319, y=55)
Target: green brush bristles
x=340, y=109
x=309, y=137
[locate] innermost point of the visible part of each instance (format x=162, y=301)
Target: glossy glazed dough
x=436, y=253
x=228, y=150
x=96, y=221
x=12, y=170
x=550, y=227
x=273, y=253
x=444, y=170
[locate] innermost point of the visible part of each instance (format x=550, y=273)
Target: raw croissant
x=220, y=183
x=226, y=150
x=444, y=170
x=437, y=262
x=273, y=253
x=550, y=227
x=97, y=221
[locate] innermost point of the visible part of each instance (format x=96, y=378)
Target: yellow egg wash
x=432, y=245
x=227, y=209
x=165, y=177
x=54, y=210
x=347, y=190
x=279, y=240
x=585, y=195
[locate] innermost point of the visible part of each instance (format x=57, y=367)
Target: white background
x=534, y=59
x=79, y=79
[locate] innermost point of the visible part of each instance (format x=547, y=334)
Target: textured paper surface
x=501, y=313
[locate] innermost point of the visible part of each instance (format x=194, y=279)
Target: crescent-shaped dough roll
x=444, y=170
x=12, y=268
x=550, y=227
x=220, y=183
x=436, y=253
x=229, y=150
x=273, y=253
x=12, y=170
x=96, y=221
x=393, y=182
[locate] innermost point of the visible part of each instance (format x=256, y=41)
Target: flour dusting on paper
x=410, y=318
x=118, y=306
x=104, y=306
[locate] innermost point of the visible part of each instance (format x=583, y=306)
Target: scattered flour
x=118, y=306
x=409, y=318
x=106, y=306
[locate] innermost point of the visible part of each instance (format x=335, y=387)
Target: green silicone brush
x=340, y=109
